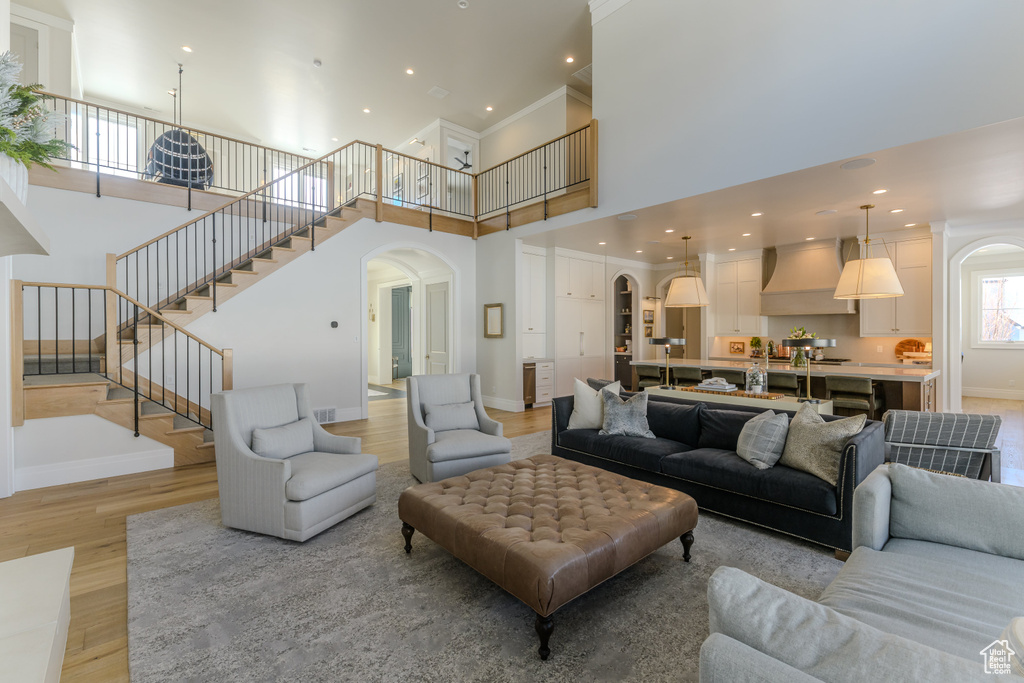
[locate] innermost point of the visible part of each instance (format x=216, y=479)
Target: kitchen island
x=906, y=388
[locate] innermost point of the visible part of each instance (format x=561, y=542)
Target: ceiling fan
x=465, y=163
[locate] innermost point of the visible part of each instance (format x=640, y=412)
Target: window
x=999, y=319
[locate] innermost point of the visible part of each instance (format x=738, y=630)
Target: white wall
x=988, y=372
x=577, y=113
x=6, y=273
x=534, y=128
x=501, y=375
x=56, y=48
x=280, y=328
x=727, y=92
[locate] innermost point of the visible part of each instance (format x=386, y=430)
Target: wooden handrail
x=238, y=199
x=141, y=305
x=167, y=123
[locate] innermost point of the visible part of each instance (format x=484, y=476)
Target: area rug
x=207, y=603
x=375, y=392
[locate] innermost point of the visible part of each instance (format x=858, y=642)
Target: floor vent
x=325, y=415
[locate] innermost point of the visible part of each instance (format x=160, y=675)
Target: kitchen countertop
x=902, y=373
x=846, y=364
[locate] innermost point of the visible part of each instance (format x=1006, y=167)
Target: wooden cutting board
x=909, y=345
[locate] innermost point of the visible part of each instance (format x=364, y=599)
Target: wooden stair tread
x=187, y=430
x=205, y=445
x=233, y=271
x=264, y=260
x=66, y=385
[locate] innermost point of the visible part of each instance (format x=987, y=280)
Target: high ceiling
x=251, y=74
x=966, y=178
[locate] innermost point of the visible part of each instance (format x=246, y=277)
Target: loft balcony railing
x=115, y=142
x=92, y=329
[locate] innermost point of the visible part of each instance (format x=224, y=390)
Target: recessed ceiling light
x=825, y=212
x=186, y=48
x=895, y=210
x=490, y=108
x=879, y=191
x=854, y=164
x=366, y=111
x=909, y=225
x=809, y=238
x=334, y=139
x=756, y=214
x=669, y=258
x=601, y=244
x=732, y=249
x=746, y=234
x=670, y=231
x=569, y=60
x=639, y=251
x=410, y=72
x=627, y=217
x=463, y=4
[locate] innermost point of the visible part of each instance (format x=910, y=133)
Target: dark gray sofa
x=695, y=452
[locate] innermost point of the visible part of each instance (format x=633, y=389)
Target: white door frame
x=418, y=281
x=953, y=367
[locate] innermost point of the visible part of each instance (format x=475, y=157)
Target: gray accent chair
x=438, y=455
x=934, y=579
x=947, y=442
x=295, y=497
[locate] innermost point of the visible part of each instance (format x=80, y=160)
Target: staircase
x=155, y=290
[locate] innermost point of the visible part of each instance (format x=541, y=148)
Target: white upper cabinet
x=738, y=298
x=534, y=293
x=910, y=314
x=579, y=278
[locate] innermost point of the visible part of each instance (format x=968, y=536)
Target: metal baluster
x=214, y=283
x=135, y=367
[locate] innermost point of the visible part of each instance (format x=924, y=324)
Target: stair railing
x=119, y=143
x=196, y=255
x=76, y=329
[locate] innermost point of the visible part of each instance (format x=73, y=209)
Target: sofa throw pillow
x=814, y=446
x=720, y=428
x=763, y=438
x=625, y=418
x=444, y=417
x=284, y=441
x=587, y=407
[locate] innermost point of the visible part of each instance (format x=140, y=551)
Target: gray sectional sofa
x=695, y=452
x=935, y=577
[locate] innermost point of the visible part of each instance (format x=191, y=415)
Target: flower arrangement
x=802, y=333
x=26, y=127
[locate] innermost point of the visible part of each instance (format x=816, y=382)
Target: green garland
x=27, y=129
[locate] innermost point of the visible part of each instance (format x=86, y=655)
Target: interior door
x=25, y=45
x=401, y=332
x=438, y=344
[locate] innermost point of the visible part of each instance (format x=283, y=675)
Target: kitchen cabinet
x=738, y=299
x=909, y=315
x=579, y=341
x=534, y=280
x=578, y=278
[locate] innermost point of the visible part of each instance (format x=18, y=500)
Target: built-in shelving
x=624, y=326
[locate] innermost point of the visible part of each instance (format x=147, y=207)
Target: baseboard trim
x=978, y=392
x=348, y=414
x=373, y=379
x=56, y=474
x=508, y=405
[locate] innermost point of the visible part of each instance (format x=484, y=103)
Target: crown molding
x=42, y=17
x=601, y=9
x=547, y=99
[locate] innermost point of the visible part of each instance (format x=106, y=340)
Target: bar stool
x=785, y=383
x=737, y=377
x=686, y=377
x=648, y=376
x=855, y=395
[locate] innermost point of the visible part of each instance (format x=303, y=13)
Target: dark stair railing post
x=545, y=181
x=135, y=367
x=508, y=197
x=97, y=152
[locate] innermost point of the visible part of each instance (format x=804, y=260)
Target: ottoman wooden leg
x=407, y=531
x=544, y=626
x=687, y=540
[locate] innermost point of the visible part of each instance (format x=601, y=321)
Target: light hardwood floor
x=1011, y=433
x=91, y=517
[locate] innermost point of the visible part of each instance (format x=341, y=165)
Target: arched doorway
x=408, y=327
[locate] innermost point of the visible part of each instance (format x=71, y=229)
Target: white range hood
x=804, y=281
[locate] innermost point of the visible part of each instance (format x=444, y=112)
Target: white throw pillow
x=284, y=441
x=587, y=407
x=444, y=417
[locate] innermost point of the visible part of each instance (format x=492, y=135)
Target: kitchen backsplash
x=845, y=329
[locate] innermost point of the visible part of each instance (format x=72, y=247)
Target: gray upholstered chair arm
x=325, y=442
x=726, y=660
x=251, y=486
x=871, y=501
x=487, y=425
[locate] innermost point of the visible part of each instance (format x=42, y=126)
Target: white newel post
x=16, y=176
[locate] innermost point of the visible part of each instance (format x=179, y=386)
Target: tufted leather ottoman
x=546, y=529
